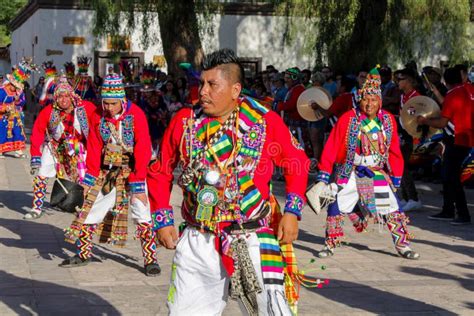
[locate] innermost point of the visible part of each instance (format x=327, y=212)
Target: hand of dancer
x=167, y=237
x=288, y=228
x=86, y=189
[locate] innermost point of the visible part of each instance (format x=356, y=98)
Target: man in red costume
x=344, y=101
x=118, y=153
x=288, y=107
x=58, y=142
x=364, y=144
x=228, y=148
x=458, y=108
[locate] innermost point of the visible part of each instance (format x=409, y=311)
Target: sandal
x=152, y=269
x=326, y=252
x=33, y=215
x=73, y=262
x=409, y=254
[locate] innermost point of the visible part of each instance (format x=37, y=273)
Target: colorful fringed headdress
x=63, y=86
x=112, y=88
x=21, y=73
x=49, y=69
x=148, y=74
x=126, y=68
x=70, y=69
x=83, y=63
x=372, y=84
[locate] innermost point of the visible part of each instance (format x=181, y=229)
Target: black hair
x=409, y=72
x=363, y=69
x=460, y=67
x=347, y=83
x=225, y=56
x=385, y=70
x=306, y=71
x=185, y=82
x=452, y=76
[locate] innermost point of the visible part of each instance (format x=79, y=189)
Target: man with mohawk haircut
x=232, y=240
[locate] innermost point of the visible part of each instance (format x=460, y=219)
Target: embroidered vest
x=250, y=138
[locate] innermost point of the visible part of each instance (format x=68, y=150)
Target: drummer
x=407, y=83
x=316, y=128
x=458, y=107
x=287, y=108
x=343, y=101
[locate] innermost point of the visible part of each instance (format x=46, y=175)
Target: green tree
x=349, y=33
x=342, y=33
x=178, y=24
x=9, y=8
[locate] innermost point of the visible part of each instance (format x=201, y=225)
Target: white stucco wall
x=50, y=26
x=4, y=67
x=257, y=36
x=249, y=36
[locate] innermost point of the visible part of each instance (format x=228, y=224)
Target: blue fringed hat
x=112, y=88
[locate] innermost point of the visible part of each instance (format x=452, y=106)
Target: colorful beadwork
x=147, y=238
x=397, y=224
x=334, y=231
x=35, y=161
x=294, y=204
x=323, y=176
x=137, y=187
x=162, y=218
x=81, y=115
x=89, y=180
x=39, y=192
x=84, y=241
x=127, y=131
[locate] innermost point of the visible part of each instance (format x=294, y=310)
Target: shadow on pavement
x=467, y=283
x=317, y=240
x=17, y=201
x=48, y=242
x=32, y=297
x=461, y=249
x=366, y=298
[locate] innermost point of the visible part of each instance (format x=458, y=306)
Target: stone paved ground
x=366, y=275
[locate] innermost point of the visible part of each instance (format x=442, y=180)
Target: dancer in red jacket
x=118, y=153
x=228, y=148
x=58, y=142
x=364, y=145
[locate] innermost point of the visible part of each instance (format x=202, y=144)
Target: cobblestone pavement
x=367, y=277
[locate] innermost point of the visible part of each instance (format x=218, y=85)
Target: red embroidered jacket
x=134, y=133
x=44, y=119
x=343, y=143
x=273, y=143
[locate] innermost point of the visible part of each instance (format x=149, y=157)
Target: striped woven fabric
x=251, y=136
x=271, y=259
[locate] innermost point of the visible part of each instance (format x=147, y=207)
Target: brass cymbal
x=419, y=106
x=313, y=95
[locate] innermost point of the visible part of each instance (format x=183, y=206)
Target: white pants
x=199, y=281
x=348, y=197
x=48, y=168
x=105, y=203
